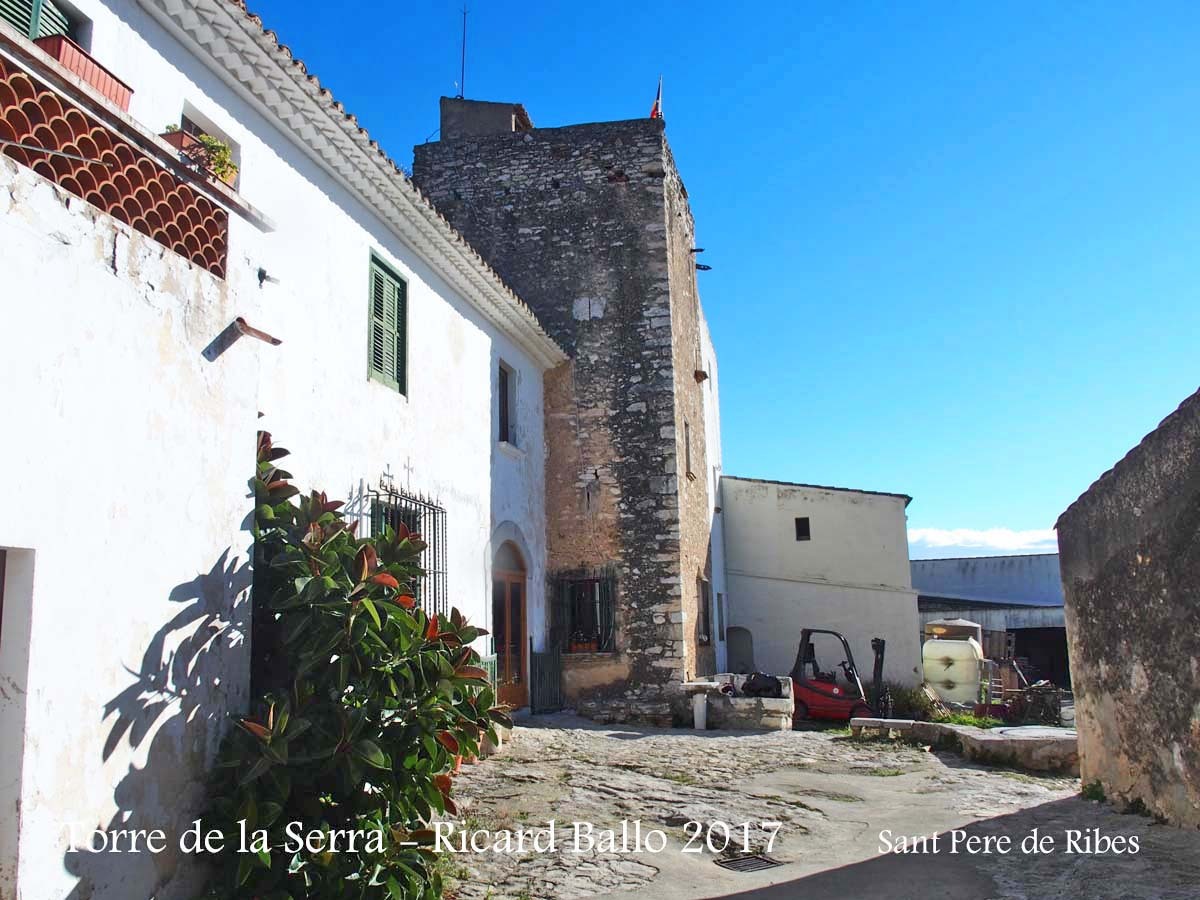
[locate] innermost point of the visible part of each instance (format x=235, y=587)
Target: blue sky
x=954, y=246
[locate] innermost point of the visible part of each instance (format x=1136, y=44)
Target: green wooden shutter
x=389, y=326
x=35, y=18
x=18, y=14
x=52, y=20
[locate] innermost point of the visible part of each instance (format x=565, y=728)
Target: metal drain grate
x=755, y=862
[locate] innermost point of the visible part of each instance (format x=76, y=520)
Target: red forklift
x=819, y=695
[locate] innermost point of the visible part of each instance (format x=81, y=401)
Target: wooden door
x=508, y=628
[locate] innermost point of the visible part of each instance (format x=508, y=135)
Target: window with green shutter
x=388, y=340
x=35, y=18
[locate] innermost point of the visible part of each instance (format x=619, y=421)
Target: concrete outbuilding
x=807, y=556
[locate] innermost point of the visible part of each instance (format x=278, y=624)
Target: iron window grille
x=421, y=515
x=704, y=598
x=585, y=612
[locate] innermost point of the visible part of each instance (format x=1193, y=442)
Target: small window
x=388, y=339
x=704, y=595
x=221, y=159
x=802, y=530
x=585, y=618
x=687, y=451
x=506, y=404
x=420, y=515
x=45, y=19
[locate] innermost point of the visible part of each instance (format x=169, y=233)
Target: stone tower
x=590, y=225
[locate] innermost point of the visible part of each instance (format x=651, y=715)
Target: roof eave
x=332, y=138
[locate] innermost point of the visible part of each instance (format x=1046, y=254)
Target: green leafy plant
x=961, y=718
x=364, y=702
x=210, y=154
x=909, y=702
x=218, y=157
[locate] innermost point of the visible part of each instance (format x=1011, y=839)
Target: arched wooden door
x=508, y=626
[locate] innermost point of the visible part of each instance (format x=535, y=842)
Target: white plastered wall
x=134, y=449
x=851, y=577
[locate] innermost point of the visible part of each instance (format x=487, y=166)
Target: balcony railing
x=62, y=141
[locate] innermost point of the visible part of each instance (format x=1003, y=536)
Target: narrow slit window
x=803, y=532
x=506, y=382
x=687, y=450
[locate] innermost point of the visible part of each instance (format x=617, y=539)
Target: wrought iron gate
x=545, y=680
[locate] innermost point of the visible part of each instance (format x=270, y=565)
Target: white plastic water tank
x=952, y=668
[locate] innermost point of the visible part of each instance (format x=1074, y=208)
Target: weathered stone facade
x=590, y=225
x=1130, y=558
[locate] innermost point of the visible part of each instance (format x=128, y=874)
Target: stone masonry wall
x=1130, y=558
x=695, y=506
x=576, y=220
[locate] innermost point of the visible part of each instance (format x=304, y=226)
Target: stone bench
x=858, y=725
x=739, y=712
x=1034, y=748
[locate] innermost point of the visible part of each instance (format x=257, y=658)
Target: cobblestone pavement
x=832, y=798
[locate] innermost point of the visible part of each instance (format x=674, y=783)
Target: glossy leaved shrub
x=363, y=702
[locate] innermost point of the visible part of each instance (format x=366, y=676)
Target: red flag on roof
x=656, y=109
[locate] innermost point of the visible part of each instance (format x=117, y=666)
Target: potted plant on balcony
x=203, y=152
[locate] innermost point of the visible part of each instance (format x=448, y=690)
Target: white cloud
x=1035, y=540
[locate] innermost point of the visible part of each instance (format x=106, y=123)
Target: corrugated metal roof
x=1023, y=580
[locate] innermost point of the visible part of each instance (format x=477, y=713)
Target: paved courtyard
x=832, y=798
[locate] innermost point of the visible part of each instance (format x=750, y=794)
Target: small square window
x=802, y=530
x=198, y=149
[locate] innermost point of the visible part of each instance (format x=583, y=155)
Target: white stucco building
x=719, y=588
x=804, y=556
x=408, y=379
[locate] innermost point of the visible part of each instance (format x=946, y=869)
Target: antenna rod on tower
x=462, y=78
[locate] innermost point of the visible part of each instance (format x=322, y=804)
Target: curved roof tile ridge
x=520, y=316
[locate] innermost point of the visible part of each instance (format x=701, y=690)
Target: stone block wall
x=695, y=505
x=589, y=225
x=1130, y=558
